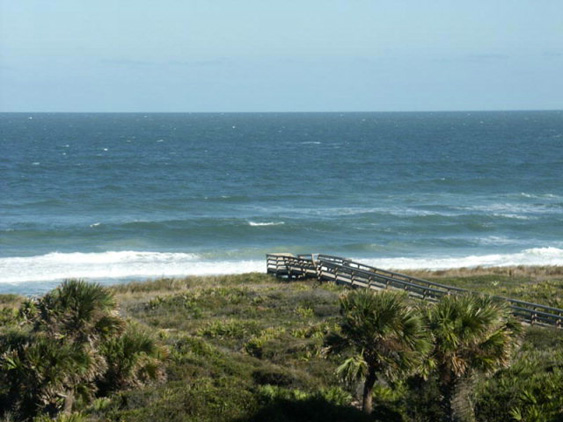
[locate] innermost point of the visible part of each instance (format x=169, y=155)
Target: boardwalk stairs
x=354, y=274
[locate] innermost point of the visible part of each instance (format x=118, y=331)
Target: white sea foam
x=514, y=216
x=534, y=256
x=351, y=211
x=539, y=196
x=142, y=265
x=497, y=240
x=511, y=209
x=116, y=265
x=270, y=223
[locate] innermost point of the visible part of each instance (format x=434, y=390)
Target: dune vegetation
x=252, y=348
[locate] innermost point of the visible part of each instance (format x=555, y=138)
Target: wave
x=512, y=209
x=384, y=211
x=549, y=256
x=514, y=216
x=539, y=196
x=502, y=210
x=116, y=265
x=271, y=223
x=142, y=265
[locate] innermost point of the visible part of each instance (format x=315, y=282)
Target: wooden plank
x=354, y=274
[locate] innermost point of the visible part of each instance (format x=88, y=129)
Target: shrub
x=530, y=390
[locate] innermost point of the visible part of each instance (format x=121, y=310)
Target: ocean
x=118, y=197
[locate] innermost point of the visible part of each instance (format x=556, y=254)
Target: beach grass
x=536, y=284
x=250, y=347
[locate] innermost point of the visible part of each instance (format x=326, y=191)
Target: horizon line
x=289, y=112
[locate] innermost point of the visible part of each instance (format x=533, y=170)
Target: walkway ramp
x=345, y=271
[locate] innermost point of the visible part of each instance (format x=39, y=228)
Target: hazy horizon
x=317, y=56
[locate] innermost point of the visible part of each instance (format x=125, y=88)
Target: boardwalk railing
x=291, y=266
x=355, y=274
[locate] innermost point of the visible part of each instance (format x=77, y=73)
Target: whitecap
x=539, y=195
x=509, y=208
x=270, y=223
x=116, y=265
x=142, y=265
x=546, y=256
x=496, y=240
x=515, y=216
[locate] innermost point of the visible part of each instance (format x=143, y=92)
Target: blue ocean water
x=112, y=197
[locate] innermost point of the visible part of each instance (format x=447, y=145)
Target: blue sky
x=307, y=55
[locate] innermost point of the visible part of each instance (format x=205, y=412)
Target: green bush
x=530, y=390
x=69, y=346
x=201, y=400
x=291, y=405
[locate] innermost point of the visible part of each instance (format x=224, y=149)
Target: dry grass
x=538, y=273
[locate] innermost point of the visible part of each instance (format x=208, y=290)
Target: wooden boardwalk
x=355, y=274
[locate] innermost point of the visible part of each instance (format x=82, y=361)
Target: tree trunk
x=367, y=404
x=447, y=390
x=462, y=405
x=68, y=402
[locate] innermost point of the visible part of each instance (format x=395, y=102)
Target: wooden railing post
x=342, y=270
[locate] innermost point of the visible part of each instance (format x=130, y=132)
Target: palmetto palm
x=470, y=333
x=133, y=359
x=56, y=357
x=385, y=332
x=83, y=312
x=42, y=373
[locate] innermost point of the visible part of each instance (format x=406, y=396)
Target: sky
x=280, y=56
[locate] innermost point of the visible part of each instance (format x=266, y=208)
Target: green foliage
x=198, y=400
x=333, y=395
x=133, y=359
x=353, y=369
x=74, y=417
x=524, y=285
x=229, y=328
x=9, y=310
x=248, y=348
x=9, y=299
x=530, y=390
x=285, y=405
x=68, y=343
x=255, y=347
x=386, y=334
x=304, y=312
x=276, y=375
x=78, y=309
x=422, y=399
x=470, y=333
x=8, y=316
x=40, y=372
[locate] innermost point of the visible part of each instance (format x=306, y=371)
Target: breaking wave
x=116, y=265
x=143, y=265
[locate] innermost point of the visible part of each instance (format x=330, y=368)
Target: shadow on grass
x=317, y=410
